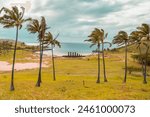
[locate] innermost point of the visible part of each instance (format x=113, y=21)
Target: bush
x=137, y=57
x=114, y=50
x=133, y=69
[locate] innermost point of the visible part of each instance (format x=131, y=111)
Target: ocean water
x=80, y=48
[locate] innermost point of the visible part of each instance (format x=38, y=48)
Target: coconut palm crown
x=50, y=40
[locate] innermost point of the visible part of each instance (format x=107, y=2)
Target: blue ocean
x=80, y=48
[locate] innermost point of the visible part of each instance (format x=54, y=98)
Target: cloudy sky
x=75, y=19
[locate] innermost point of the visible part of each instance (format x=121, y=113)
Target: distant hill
x=10, y=40
x=19, y=44
x=131, y=48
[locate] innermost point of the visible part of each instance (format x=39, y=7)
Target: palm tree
x=122, y=38
x=38, y=27
x=103, y=56
x=95, y=38
x=142, y=38
x=135, y=39
x=144, y=34
x=13, y=18
x=49, y=40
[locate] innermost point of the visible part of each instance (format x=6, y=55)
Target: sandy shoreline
x=5, y=66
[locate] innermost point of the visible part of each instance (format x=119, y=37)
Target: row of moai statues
x=74, y=54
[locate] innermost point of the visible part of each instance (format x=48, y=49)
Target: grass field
x=70, y=74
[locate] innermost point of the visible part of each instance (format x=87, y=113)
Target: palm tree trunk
x=141, y=61
x=145, y=67
x=98, y=79
x=105, y=79
x=54, y=77
x=12, y=88
x=40, y=67
x=125, y=74
x=41, y=64
x=143, y=71
x=145, y=74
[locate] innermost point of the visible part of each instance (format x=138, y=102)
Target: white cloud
x=86, y=18
x=112, y=2
x=75, y=19
x=129, y=15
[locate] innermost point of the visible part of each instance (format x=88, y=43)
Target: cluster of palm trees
x=140, y=37
x=97, y=37
x=14, y=18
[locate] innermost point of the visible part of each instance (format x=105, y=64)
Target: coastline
x=82, y=49
x=48, y=53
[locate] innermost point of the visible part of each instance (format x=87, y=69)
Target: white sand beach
x=5, y=66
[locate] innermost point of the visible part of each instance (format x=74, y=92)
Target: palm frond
x=28, y=19
x=15, y=12
x=96, y=37
x=12, y=17
x=50, y=40
x=34, y=26
x=110, y=44
x=21, y=14
x=92, y=45
x=1, y=9
x=89, y=40
x=56, y=36
x=121, y=38
x=9, y=26
x=144, y=29
x=57, y=43
x=106, y=35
